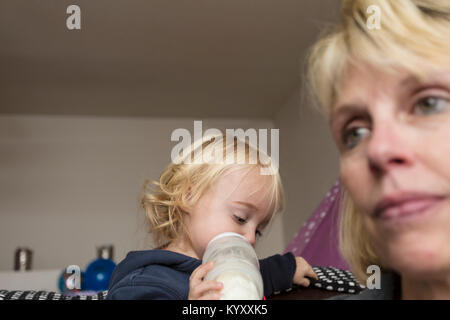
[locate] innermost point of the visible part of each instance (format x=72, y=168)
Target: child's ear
x=189, y=194
x=188, y=199
x=184, y=207
x=184, y=210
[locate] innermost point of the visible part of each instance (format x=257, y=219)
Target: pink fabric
x=317, y=239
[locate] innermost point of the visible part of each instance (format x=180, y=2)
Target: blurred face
x=393, y=135
x=237, y=203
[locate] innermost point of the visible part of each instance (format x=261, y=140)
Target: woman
x=386, y=94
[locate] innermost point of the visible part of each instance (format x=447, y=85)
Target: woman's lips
x=406, y=207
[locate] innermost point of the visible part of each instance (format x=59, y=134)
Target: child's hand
x=200, y=289
x=303, y=270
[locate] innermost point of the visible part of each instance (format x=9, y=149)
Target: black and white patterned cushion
x=333, y=279
x=47, y=295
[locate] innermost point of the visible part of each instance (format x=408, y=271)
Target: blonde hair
x=188, y=178
x=412, y=33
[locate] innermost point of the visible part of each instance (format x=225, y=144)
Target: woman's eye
x=431, y=105
x=352, y=136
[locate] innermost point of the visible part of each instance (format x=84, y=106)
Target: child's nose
x=250, y=236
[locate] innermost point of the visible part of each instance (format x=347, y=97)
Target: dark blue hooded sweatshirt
x=162, y=274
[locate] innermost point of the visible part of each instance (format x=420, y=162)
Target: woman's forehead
x=358, y=80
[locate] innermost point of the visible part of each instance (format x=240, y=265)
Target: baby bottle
x=236, y=265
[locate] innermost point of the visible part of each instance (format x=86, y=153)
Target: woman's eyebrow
x=342, y=112
x=437, y=79
x=409, y=81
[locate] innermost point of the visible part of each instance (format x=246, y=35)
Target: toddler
x=199, y=195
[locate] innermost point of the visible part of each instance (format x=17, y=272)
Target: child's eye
x=258, y=233
x=239, y=219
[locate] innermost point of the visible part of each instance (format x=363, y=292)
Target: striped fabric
x=47, y=295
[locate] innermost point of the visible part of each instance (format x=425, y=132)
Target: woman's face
x=393, y=135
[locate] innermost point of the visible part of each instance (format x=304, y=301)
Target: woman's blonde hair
x=188, y=177
x=413, y=35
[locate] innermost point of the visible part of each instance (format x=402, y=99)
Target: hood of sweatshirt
x=141, y=259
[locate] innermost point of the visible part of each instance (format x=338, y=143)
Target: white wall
x=69, y=184
x=309, y=160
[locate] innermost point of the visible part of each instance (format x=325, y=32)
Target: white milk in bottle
x=236, y=265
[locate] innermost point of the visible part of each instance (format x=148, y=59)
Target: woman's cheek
x=351, y=176
x=355, y=178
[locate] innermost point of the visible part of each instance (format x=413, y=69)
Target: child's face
x=238, y=203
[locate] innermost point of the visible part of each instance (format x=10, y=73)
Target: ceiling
x=159, y=58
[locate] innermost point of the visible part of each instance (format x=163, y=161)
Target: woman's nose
x=388, y=147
